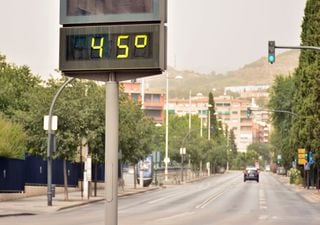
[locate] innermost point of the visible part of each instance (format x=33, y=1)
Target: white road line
x=175, y=216
x=163, y=198
x=209, y=200
x=262, y=200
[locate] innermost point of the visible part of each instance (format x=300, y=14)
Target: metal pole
x=167, y=130
x=209, y=125
x=201, y=124
x=111, y=151
x=182, y=167
x=299, y=47
x=50, y=145
x=189, y=110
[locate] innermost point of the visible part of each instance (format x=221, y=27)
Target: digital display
x=97, y=7
x=112, y=11
x=112, y=48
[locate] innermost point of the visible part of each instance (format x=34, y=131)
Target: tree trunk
x=81, y=171
x=135, y=176
x=65, y=178
x=95, y=178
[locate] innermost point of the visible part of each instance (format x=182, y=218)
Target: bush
x=12, y=139
x=295, y=176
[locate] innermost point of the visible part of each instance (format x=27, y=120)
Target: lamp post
x=182, y=153
x=209, y=121
x=166, y=160
x=189, y=110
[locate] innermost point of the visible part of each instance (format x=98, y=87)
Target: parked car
x=251, y=173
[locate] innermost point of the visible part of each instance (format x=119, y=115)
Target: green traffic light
x=271, y=59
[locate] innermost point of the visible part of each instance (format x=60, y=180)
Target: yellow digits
x=97, y=47
x=144, y=39
x=123, y=46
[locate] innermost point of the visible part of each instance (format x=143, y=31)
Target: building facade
x=152, y=102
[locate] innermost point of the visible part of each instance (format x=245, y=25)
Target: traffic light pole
x=299, y=47
x=272, y=46
x=279, y=111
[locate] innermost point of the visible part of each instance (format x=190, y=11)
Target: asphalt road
x=219, y=200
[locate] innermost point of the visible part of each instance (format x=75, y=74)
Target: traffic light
x=248, y=112
x=271, y=52
x=306, y=156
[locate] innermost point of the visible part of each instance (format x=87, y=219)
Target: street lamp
x=166, y=160
x=209, y=120
x=182, y=153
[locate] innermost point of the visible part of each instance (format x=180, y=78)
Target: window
x=135, y=97
x=156, y=98
x=147, y=98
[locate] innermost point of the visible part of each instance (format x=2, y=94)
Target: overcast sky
x=204, y=35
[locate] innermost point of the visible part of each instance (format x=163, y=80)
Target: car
x=251, y=173
x=267, y=168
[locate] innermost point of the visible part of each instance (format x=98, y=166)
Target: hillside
x=258, y=72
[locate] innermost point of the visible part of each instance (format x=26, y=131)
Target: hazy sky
x=204, y=35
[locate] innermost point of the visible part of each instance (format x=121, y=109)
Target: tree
x=281, y=92
x=214, y=128
x=306, y=129
x=263, y=150
x=15, y=83
x=12, y=139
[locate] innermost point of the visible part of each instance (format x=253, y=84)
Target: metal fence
x=15, y=173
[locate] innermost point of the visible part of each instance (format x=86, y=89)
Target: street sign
x=182, y=151
x=54, y=123
x=301, y=156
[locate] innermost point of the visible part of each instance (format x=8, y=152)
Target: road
x=218, y=200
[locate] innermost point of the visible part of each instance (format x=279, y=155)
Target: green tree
x=12, y=139
x=15, y=83
x=281, y=92
x=214, y=128
x=263, y=150
x=306, y=129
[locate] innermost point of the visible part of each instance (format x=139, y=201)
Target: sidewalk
x=38, y=204
x=312, y=195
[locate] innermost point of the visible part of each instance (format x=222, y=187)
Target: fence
x=15, y=173
x=12, y=173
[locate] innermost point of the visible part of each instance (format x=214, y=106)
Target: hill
x=258, y=72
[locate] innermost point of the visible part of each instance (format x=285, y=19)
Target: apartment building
x=152, y=102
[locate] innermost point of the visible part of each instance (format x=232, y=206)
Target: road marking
x=209, y=200
x=175, y=216
x=263, y=217
x=163, y=198
x=262, y=200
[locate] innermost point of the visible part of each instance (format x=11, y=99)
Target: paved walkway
x=38, y=204
x=312, y=195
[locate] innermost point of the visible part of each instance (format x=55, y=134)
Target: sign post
x=112, y=41
x=301, y=156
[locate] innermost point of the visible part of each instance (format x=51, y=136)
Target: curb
x=102, y=199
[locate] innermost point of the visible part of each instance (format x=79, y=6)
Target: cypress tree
x=214, y=128
x=306, y=127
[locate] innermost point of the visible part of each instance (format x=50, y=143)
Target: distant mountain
x=258, y=72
